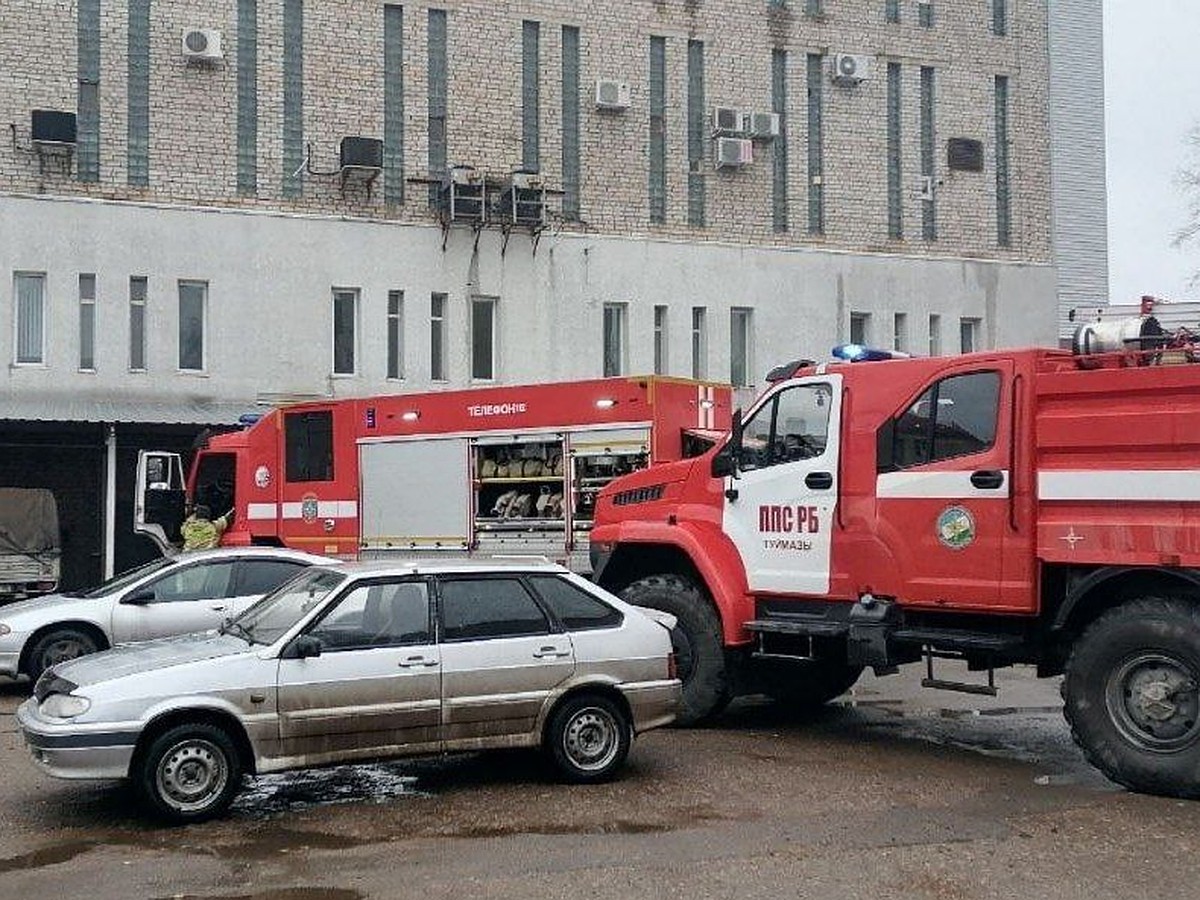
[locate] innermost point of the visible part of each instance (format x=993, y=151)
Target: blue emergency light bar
x=248, y=419
x=862, y=353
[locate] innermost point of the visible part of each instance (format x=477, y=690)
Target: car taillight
x=672, y=667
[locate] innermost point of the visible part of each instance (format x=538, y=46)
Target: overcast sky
x=1152, y=85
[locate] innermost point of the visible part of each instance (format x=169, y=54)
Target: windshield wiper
x=239, y=629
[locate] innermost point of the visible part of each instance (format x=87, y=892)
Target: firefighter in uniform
x=200, y=532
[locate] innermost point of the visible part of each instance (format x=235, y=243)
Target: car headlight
x=64, y=706
x=4, y=629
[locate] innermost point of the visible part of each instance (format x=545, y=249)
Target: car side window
x=203, y=581
x=574, y=607
x=793, y=426
x=260, y=576
x=955, y=417
x=475, y=608
x=389, y=614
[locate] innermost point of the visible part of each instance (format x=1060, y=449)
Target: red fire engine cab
x=489, y=470
x=1032, y=506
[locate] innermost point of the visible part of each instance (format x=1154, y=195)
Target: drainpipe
x=110, y=501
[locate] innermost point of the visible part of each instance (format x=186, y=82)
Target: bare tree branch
x=1188, y=181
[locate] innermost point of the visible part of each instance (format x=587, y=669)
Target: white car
x=173, y=595
x=364, y=662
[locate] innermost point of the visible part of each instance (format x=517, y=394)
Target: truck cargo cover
x=28, y=520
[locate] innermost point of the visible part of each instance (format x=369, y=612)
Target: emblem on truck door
x=956, y=527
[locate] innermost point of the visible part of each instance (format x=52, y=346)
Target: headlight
x=4, y=629
x=64, y=706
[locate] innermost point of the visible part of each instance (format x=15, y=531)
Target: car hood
x=133, y=659
x=25, y=615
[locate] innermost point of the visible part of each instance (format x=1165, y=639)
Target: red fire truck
x=1033, y=506
x=489, y=470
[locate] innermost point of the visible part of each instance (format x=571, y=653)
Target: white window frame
x=493, y=303
x=935, y=334
x=395, y=320
x=144, y=304
x=746, y=314
x=973, y=324
x=864, y=337
x=699, y=342
x=84, y=303
x=440, y=319
x=355, y=295
x=662, y=344
x=900, y=332
x=203, y=326
x=41, y=360
x=621, y=311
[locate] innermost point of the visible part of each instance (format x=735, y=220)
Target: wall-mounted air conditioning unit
x=202, y=44
x=727, y=120
x=926, y=188
x=612, y=94
x=851, y=68
x=761, y=125
x=732, y=153
x=361, y=153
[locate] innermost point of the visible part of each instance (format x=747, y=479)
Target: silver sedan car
x=173, y=595
x=364, y=662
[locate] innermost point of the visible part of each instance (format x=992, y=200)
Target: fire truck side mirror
x=725, y=462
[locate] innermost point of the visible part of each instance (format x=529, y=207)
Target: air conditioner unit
x=761, y=125
x=361, y=153
x=49, y=126
x=727, y=120
x=851, y=68
x=927, y=186
x=202, y=44
x=465, y=175
x=732, y=153
x=612, y=94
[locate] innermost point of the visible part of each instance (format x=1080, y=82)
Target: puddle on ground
x=619, y=827
x=267, y=795
x=45, y=856
x=298, y=893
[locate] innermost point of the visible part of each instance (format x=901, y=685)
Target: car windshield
x=126, y=578
x=274, y=615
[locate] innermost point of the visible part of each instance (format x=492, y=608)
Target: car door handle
x=414, y=662
x=819, y=481
x=551, y=653
x=217, y=608
x=987, y=480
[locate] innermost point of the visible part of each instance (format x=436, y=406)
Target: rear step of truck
x=806, y=626
x=955, y=644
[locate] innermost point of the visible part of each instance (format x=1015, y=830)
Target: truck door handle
x=988, y=480
x=551, y=653
x=819, y=481
x=413, y=662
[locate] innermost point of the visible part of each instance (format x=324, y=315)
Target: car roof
x=476, y=566
x=238, y=552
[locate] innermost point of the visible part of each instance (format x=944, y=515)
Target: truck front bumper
x=69, y=750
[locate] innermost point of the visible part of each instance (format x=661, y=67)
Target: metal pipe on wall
x=110, y=500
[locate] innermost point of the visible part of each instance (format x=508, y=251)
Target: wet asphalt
x=892, y=792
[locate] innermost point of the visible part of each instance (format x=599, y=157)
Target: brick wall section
x=194, y=110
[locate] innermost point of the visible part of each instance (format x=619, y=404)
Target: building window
x=814, y=8
x=928, y=204
x=393, y=104
x=925, y=13
x=661, y=359
x=30, y=289
x=658, y=129
x=395, y=335
x=87, y=135
x=138, y=94
x=698, y=136
x=935, y=335
x=437, y=337
x=138, y=285
x=894, y=155
x=1003, y=187
x=438, y=77
x=816, y=172
x=483, y=338
x=900, y=332
x=530, y=40
x=968, y=330
x=891, y=11
x=87, y=323
x=740, y=343
x=193, y=300
x=860, y=328
x=779, y=148
x=570, y=123
x=293, y=97
x=345, y=330
x=1000, y=17
x=699, y=342
x=247, y=97
x=615, y=347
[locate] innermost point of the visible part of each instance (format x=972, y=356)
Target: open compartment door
x=158, y=508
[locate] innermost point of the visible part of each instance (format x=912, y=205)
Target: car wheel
x=58, y=646
x=1132, y=695
x=189, y=773
x=696, y=641
x=588, y=738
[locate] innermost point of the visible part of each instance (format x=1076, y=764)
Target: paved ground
x=895, y=792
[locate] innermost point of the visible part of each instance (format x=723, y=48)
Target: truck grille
x=639, y=495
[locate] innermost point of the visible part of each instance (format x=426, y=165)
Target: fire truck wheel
x=699, y=651
x=805, y=686
x=1132, y=695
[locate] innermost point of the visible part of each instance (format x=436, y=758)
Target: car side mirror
x=304, y=647
x=725, y=461
x=139, y=597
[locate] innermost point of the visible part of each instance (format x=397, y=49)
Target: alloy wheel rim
x=591, y=739
x=191, y=775
x=62, y=650
x=1154, y=701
